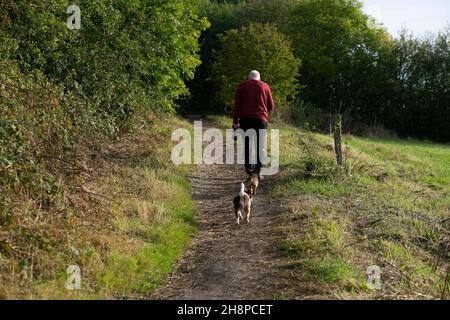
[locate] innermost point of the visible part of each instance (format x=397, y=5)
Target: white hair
x=254, y=75
x=241, y=193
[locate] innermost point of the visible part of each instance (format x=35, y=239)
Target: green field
x=386, y=207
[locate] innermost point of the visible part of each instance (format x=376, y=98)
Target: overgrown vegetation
x=65, y=96
x=61, y=87
x=121, y=213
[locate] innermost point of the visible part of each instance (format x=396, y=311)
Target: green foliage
x=127, y=55
x=350, y=65
x=256, y=47
x=58, y=86
x=33, y=123
x=63, y=94
x=226, y=15
x=419, y=104
x=304, y=115
x=339, y=49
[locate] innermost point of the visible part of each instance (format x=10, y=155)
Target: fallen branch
x=445, y=220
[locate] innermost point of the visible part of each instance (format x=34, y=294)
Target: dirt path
x=225, y=262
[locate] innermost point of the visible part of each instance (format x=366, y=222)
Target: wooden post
x=338, y=141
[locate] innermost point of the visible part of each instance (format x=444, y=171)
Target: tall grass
x=388, y=208
x=123, y=215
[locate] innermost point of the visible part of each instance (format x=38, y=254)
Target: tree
x=59, y=86
x=260, y=47
x=127, y=54
x=421, y=105
x=225, y=15
x=340, y=48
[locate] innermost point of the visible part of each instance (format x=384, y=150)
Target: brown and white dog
x=243, y=203
x=252, y=183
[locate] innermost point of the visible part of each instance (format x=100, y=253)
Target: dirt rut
x=225, y=262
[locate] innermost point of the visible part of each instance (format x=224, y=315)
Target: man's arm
x=270, y=103
x=237, y=107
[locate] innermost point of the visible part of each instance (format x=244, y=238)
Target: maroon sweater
x=253, y=100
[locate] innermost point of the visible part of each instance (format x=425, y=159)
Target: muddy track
x=225, y=262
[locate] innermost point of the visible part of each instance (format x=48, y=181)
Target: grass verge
x=124, y=215
x=388, y=206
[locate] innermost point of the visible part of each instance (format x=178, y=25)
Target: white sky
x=418, y=16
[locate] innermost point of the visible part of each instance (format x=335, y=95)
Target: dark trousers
x=257, y=125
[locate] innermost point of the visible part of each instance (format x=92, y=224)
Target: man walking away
x=253, y=103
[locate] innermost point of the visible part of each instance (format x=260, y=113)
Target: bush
x=60, y=86
x=260, y=47
x=128, y=56
x=304, y=115
x=36, y=120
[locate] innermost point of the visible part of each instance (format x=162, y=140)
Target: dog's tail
x=241, y=193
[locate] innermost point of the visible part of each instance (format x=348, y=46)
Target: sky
x=418, y=16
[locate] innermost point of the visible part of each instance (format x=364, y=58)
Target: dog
x=252, y=183
x=243, y=203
